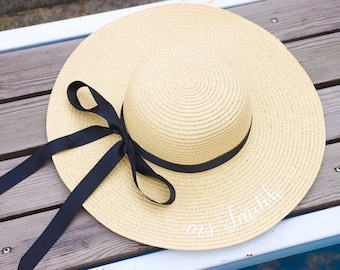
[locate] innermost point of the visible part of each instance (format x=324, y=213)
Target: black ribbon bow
x=99, y=172
x=92, y=180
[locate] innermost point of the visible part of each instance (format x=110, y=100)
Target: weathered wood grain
x=85, y=243
x=320, y=56
x=330, y=98
x=296, y=19
x=39, y=67
x=44, y=189
x=23, y=122
x=33, y=70
x=325, y=191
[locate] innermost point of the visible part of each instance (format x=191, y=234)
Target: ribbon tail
x=71, y=206
x=39, y=157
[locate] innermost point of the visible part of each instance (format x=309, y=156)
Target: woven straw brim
x=226, y=205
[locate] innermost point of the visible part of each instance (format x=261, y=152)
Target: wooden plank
x=296, y=19
x=44, y=189
x=85, y=243
x=320, y=56
x=23, y=124
x=29, y=115
x=325, y=191
x=39, y=66
x=33, y=70
x=330, y=98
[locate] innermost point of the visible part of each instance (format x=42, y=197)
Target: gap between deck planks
x=40, y=66
x=319, y=56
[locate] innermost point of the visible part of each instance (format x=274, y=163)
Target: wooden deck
x=309, y=29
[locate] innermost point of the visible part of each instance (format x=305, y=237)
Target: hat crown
x=186, y=106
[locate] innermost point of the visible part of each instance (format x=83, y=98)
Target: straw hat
x=195, y=81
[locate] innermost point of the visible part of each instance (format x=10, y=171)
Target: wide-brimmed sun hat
x=194, y=80
x=218, y=123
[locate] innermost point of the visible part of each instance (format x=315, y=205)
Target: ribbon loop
x=139, y=165
x=143, y=168
x=103, y=108
x=117, y=125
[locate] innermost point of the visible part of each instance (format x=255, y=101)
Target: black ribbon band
x=99, y=172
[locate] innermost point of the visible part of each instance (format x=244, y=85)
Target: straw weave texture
x=192, y=78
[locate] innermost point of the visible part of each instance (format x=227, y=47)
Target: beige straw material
x=193, y=78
